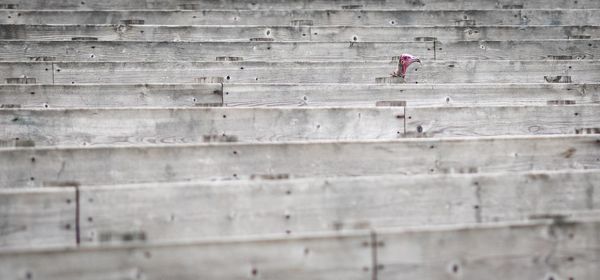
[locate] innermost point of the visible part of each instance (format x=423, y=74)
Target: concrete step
x=431, y=72
x=94, y=51
x=119, y=32
x=167, y=212
x=88, y=127
x=362, y=17
x=124, y=126
x=368, y=95
x=140, y=95
x=36, y=167
x=430, y=253
x=292, y=95
x=304, y=4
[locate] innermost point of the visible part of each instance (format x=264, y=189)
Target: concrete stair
x=230, y=139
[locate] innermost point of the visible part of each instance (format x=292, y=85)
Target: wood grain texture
x=462, y=71
x=341, y=257
x=487, y=121
x=559, y=250
x=41, y=71
x=167, y=163
x=106, y=95
x=197, y=33
x=180, y=211
x=208, y=51
x=571, y=248
x=366, y=95
x=37, y=218
x=534, y=50
x=305, y=4
x=385, y=17
x=85, y=127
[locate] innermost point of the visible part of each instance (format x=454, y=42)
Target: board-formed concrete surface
x=155, y=139
x=349, y=17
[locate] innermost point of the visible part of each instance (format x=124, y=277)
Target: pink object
x=403, y=63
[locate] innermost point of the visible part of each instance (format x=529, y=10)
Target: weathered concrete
x=304, y=4
x=37, y=218
x=207, y=51
x=94, y=51
x=567, y=244
x=367, y=95
x=489, y=121
x=182, y=211
x=278, y=33
x=27, y=167
x=460, y=71
x=314, y=95
x=107, y=95
x=318, y=17
x=84, y=127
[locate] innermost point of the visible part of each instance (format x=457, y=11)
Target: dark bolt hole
x=355, y=38
x=242, y=68
x=224, y=116
x=46, y=69
x=268, y=48
x=235, y=152
x=288, y=231
x=288, y=192
x=90, y=219
x=68, y=201
x=455, y=268
x=57, y=70
x=576, y=114
x=32, y=159
x=254, y=271
x=287, y=217
x=28, y=275
x=228, y=78
x=268, y=32
x=68, y=226
x=32, y=93
x=419, y=129
x=476, y=206
x=32, y=178
x=82, y=3
x=93, y=47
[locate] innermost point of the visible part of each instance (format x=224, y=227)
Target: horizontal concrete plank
x=183, y=211
x=95, y=51
x=84, y=127
x=293, y=33
x=350, y=17
x=568, y=245
x=460, y=71
x=367, y=95
x=473, y=253
x=489, y=121
x=141, y=95
x=88, y=127
x=37, y=218
x=537, y=50
x=304, y=4
x=207, y=51
x=34, y=167
x=342, y=257
x=314, y=95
